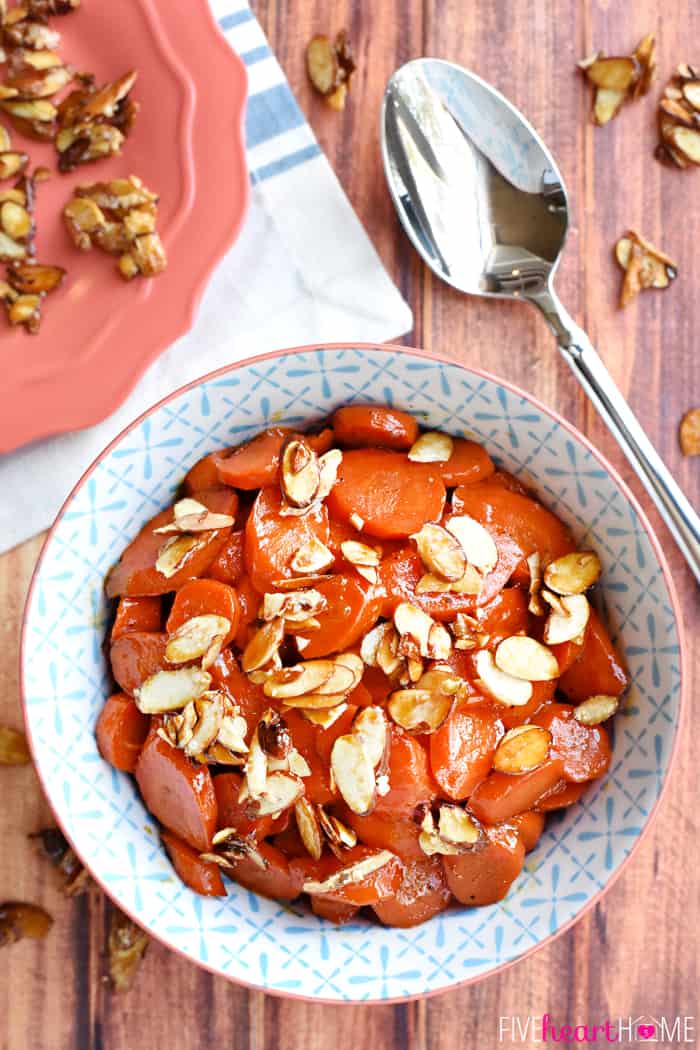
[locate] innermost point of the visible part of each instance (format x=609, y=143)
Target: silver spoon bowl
x=485, y=206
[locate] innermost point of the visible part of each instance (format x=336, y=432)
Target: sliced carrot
x=228, y=565
x=272, y=540
x=255, y=464
x=530, y=826
x=334, y=911
x=422, y=893
x=136, y=614
x=462, y=750
x=381, y=883
x=322, y=441
x=135, y=573
x=205, y=598
x=542, y=694
x=410, y=777
x=567, y=653
x=561, y=796
x=304, y=736
x=504, y=615
x=121, y=731
x=398, y=833
x=469, y=463
x=136, y=656
x=583, y=750
x=352, y=608
x=204, y=475
x=510, y=482
x=369, y=426
x=484, y=876
x=227, y=676
x=598, y=669
x=200, y=875
x=325, y=738
x=276, y=880
x=377, y=684
x=504, y=795
x=249, y=602
x=235, y=814
x=391, y=495
x=177, y=791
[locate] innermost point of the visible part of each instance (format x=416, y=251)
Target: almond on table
x=679, y=119
x=371, y=698
x=330, y=66
x=645, y=266
x=619, y=79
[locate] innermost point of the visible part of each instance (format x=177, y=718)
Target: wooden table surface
x=637, y=952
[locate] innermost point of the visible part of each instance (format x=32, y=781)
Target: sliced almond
x=192, y=516
x=300, y=477
x=351, y=874
x=210, y=713
x=360, y=554
x=456, y=826
x=499, y=684
x=281, y=792
x=339, y=835
x=412, y=622
x=309, y=827
x=314, y=556
x=171, y=690
x=5, y=142
x=300, y=679
x=414, y=669
x=324, y=717
x=347, y=672
x=615, y=74
x=596, y=709
x=15, y=220
x=371, y=642
x=175, y=553
x=232, y=733
x=535, y=604
x=468, y=632
x=567, y=626
x=691, y=93
x=322, y=64
x=263, y=646
x=522, y=749
x=526, y=658
x=470, y=583
x=356, y=521
x=607, y=104
x=316, y=701
x=687, y=141
x=432, y=843
x=328, y=466
x=477, y=543
x=431, y=447
x=441, y=553
x=353, y=772
x=419, y=710
x=255, y=770
x=294, y=607
x=573, y=573
x=200, y=636
x=388, y=657
x=370, y=726
x=12, y=163
x=297, y=764
x=439, y=642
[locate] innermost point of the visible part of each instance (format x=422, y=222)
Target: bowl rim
x=389, y=348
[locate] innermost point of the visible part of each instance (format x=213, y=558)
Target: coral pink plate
x=99, y=333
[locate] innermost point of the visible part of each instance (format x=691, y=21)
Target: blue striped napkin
x=302, y=271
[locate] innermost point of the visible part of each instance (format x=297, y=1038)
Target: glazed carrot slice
x=204, y=475
x=379, y=884
x=304, y=736
x=135, y=573
x=255, y=464
x=136, y=614
x=505, y=615
x=136, y=656
x=352, y=608
x=372, y=426
x=422, y=893
x=249, y=601
x=205, y=598
x=200, y=875
x=391, y=495
x=563, y=795
x=532, y=526
x=469, y=463
x=504, y=795
x=228, y=565
x=277, y=880
x=401, y=571
x=377, y=684
x=177, y=791
x=235, y=814
x=529, y=826
x=598, y=670
x=272, y=540
x=410, y=777
x=398, y=833
x=121, y=731
x=461, y=751
x=542, y=694
x=583, y=750
x=321, y=442
x=335, y=911
x=227, y=676
x=567, y=653
x=486, y=875
x=510, y=482
x=325, y=738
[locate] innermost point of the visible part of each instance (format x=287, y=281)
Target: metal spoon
x=484, y=204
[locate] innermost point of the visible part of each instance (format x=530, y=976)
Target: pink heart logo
x=646, y=1031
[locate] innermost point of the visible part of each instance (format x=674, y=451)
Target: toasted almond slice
x=499, y=684
x=440, y=552
x=371, y=642
x=596, y=709
x=316, y=701
x=346, y=664
x=5, y=142
x=370, y=726
x=255, y=770
x=175, y=552
x=281, y=792
x=476, y=541
x=414, y=669
x=301, y=679
x=309, y=827
x=171, y=690
x=192, y=516
x=691, y=93
x=15, y=220
x=352, y=873
x=607, y=104
x=314, y=556
x=689, y=433
x=573, y=573
x=353, y=772
x=298, y=764
x=232, y=733
x=431, y=447
x=388, y=657
x=300, y=476
x=526, y=658
x=535, y=604
x=360, y=554
x=439, y=642
x=419, y=710
x=12, y=163
x=294, y=606
x=431, y=842
x=200, y=636
x=570, y=625
x=339, y=835
x=263, y=646
x=412, y=622
x=210, y=713
x=522, y=749
x=356, y=521
x=687, y=142
x=328, y=465
x=322, y=64
x=324, y=717
x=456, y=826
x=615, y=74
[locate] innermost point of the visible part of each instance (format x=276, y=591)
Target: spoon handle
x=672, y=504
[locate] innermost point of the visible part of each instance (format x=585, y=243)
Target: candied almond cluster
x=359, y=664
x=620, y=79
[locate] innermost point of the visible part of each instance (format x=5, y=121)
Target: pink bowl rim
x=390, y=348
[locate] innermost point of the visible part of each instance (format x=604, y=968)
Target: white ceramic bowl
x=283, y=948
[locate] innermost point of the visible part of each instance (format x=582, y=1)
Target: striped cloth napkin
x=302, y=271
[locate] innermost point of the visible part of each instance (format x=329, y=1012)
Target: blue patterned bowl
x=284, y=948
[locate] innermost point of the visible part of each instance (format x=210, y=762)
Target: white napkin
x=302, y=271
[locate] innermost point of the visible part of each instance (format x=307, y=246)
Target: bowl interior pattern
x=286, y=948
